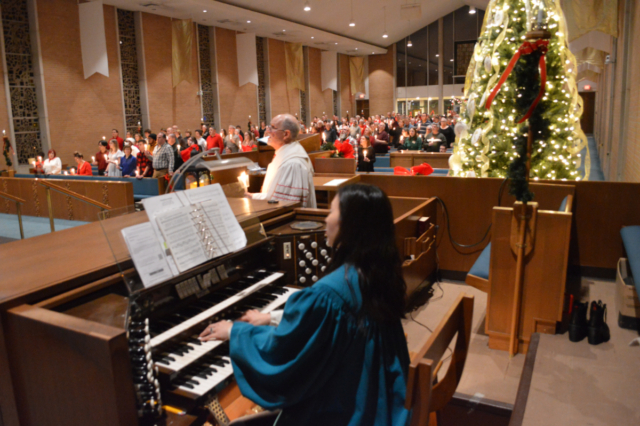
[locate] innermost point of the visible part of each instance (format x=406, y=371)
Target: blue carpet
x=595, y=171
x=33, y=226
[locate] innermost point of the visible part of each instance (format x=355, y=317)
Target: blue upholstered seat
x=631, y=240
x=480, y=269
x=563, y=205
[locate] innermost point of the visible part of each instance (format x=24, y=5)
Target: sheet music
x=147, y=255
x=183, y=237
x=160, y=204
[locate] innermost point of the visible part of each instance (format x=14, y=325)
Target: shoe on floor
x=578, y=323
x=598, y=330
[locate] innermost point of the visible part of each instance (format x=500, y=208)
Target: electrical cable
x=446, y=213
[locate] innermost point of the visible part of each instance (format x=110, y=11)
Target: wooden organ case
x=102, y=354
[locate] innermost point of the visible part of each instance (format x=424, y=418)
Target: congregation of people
x=149, y=154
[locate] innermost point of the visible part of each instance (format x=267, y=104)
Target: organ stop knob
x=301, y=246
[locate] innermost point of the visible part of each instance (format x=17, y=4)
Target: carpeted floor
x=33, y=226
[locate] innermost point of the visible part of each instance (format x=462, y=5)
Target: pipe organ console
x=111, y=352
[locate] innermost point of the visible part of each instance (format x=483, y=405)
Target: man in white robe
x=290, y=174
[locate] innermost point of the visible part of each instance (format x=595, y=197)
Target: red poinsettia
x=344, y=149
x=423, y=169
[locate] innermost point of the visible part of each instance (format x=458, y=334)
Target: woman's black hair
x=366, y=240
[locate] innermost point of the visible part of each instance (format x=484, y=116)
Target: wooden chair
x=424, y=394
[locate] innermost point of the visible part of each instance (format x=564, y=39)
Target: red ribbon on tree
x=526, y=49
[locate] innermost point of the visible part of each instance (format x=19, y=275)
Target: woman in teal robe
x=339, y=355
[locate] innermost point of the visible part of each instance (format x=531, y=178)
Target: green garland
x=6, y=151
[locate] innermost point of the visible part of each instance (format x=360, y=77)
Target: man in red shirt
x=116, y=136
x=215, y=140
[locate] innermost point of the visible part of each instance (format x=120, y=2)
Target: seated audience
x=52, y=165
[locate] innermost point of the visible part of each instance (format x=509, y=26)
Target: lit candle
x=244, y=179
x=34, y=163
x=66, y=173
x=93, y=159
x=178, y=147
x=138, y=123
x=324, y=137
x=145, y=146
x=73, y=171
x=137, y=173
x=39, y=159
x=4, y=132
x=104, y=138
x=364, y=152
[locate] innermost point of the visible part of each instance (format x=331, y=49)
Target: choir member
x=83, y=168
x=52, y=165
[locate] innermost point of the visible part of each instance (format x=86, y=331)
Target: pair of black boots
x=596, y=329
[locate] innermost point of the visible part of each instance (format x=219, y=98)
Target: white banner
x=93, y=39
x=329, y=70
x=247, y=59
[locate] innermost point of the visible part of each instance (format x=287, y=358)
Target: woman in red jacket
x=84, y=168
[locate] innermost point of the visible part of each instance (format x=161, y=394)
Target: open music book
x=187, y=228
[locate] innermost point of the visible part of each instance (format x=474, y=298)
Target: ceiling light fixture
x=472, y=10
x=437, y=55
x=312, y=37
x=385, y=35
x=352, y=23
x=306, y=6
x=204, y=11
x=248, y=22
x=409, y=44
x=336, y=43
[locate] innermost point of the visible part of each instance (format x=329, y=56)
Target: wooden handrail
x=72, y=194
x=12, y=198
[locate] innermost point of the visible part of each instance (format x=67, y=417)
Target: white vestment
x=289, y=177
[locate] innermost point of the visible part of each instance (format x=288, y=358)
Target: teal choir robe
x=322, y=366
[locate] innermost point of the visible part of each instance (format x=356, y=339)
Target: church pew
x=408, y=159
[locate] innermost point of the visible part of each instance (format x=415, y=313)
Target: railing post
x=19, y=211
x=53, y=228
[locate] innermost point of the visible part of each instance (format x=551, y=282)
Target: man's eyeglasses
x=271, y=128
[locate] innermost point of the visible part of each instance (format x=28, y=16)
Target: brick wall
x=236, y=103
x=381, y=82
x=283, y=100
x=168, y=105
x=319, y=100
x=80, y=111
x=345, y=86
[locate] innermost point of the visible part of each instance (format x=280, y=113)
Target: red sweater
x=85, y=169
x=215, y=142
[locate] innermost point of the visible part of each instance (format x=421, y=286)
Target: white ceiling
x=326, y=26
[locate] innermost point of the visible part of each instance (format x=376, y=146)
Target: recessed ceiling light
x=248, y=22
x=352, y=24
x=385, y=35
x=472, y=10
x=204, y=11
x=356, y=48
x=451, y=60
x=312, y=37
x=336, y=43
x=437, y=55
x=306, y=6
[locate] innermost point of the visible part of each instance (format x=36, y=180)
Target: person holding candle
x=338, y=354
x=113, y=159
x=434, y=140
x=202, y=143
x=128, y=162
x=413, y=142
x=231, y=141
x=249, y=142
x=366, y=155
x=83, y=167
x=52, y=165
x=145, y=167
x=115, y=135
x=100, y=158
x=192, y=149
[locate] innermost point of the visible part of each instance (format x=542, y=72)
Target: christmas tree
x=491, y=135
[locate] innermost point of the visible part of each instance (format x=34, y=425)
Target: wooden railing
x=53, y=187
x=18, y=202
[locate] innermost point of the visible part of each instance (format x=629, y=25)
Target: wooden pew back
x=423, y=396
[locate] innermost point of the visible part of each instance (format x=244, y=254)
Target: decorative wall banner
x=93, y=41
x=590, y=15
x=247, y=59
x=356, y=74
x=329, y=70
x=181, y=50
x=295, y=65
x=590, y=55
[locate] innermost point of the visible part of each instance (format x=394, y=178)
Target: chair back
x=423, y=395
